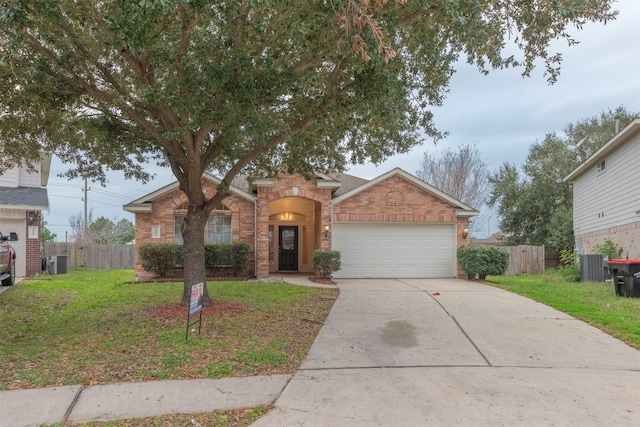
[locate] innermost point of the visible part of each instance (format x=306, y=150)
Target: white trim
x=45, y=167
x=326, y=181
x=467, y=213
x=325, y=184
x=263, y=182
x=32, y=232
x=26, y=207
x=137, y=207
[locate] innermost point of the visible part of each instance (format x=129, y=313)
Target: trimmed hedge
x=483, y=261
x=326, y=262
x=161, y=257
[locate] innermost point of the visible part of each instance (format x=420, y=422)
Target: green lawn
x=96, y=327
x=594, y=303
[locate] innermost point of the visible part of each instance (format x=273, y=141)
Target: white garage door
x=389, y=250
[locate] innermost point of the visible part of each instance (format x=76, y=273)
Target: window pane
x=219, y=229
x=177, y=226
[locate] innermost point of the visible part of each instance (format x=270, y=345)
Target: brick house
x=23, y=196
x=392, y=226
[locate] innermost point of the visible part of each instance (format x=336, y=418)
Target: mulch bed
x=180, y=279
x=314, y=279
x=320, y=280
x=172, y=311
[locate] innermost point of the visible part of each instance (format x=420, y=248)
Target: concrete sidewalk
x=457, y=353
x=75, y=404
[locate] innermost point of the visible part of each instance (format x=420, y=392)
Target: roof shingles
x=24, y=198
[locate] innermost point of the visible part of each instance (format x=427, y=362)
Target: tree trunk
x=193, y=253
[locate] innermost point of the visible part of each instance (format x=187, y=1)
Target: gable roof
x=464, y=209
x=34, y=198
x=143, y=204
x=348, y=182
x=620, y=138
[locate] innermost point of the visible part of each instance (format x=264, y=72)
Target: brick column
x=33, y=263
x=326, y=242
x=262, y=230
x=462, y=223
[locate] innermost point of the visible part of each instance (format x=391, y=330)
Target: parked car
x=7, y=259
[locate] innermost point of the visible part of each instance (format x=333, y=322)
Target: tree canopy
x=269, y=85
x=101, y=231
x=249, y=86
x=534, y=203
x=45, y=234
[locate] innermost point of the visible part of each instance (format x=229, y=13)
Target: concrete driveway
x=392, y=352
x=6, y=288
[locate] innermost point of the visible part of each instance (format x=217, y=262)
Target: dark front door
x=288, y=244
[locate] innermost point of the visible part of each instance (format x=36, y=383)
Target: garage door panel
x=395, y=250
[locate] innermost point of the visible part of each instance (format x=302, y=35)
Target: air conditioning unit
x=593, y=268
x=58, y=264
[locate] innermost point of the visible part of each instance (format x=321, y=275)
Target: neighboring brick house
x=606, y=194
x=392, y=226
x=23, y=195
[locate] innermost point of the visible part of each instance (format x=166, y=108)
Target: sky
x=503, y=113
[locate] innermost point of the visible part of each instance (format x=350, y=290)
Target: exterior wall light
x=31, y=217
x=327, y=228
x=465, y=232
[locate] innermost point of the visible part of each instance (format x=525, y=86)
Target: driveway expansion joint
x=72, y=405
x=471, y=341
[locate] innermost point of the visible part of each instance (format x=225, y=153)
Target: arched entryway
x=292, y=235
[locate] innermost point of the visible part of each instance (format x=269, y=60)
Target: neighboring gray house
x=23, y=195
x=606, y=194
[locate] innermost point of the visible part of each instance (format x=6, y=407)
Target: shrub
x=609, y=248
x=569, y=269
x=159, y=257
x=326, y=262
x=483, y=261
x=227, y=255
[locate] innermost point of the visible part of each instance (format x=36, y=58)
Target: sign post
x=195, y=307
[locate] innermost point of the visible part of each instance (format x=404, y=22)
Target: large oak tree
x=246, y=86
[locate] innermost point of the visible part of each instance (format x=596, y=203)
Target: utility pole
x=488, y=227
x=85, y=231
x=85, y=207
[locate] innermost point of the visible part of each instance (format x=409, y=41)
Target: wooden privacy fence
x=92, y=257
x=525, y=259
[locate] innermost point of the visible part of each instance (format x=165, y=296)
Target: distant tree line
x=102, y=231
x=534, y=204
